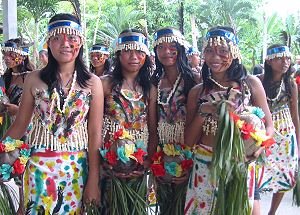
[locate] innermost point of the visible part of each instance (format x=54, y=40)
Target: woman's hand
x=91, y=193
x=11, y=109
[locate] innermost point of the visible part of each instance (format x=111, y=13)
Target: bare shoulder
x=195, y=91
x=107, y=84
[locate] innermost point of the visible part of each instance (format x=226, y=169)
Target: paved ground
x=285, y=208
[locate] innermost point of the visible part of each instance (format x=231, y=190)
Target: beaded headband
x=281, y=51
x=132, y=41
x=99, y=49
x=12, y=47
x=192, y=51
x=221, y=37
x=64, y=27
x=169, y=35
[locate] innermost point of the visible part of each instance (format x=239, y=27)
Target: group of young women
x=90, y=138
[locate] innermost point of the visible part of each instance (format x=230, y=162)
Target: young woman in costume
x=99, y=57
x=66, y=102
x=129, y=129
x=15, y=55
x=278, y=173
x=224, y=77
x=174, y=79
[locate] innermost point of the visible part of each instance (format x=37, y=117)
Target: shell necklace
x=217, y=83
x=278, y=94
x=170, y=94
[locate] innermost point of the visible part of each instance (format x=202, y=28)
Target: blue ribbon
x=222, y=33
x=126, y=39
x=166, y=31
x=10, y=44
x=65, y=23
x=277, y=50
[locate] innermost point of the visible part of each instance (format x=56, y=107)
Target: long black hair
x=107, y=64
x=183, y=68
x=25, y=66
x=236, y=71
x=271, y=87
x=50, y=75
x=143, y=77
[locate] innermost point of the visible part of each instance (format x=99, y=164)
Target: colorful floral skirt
x=201, y=189
x=54, y=182
x=278, y=172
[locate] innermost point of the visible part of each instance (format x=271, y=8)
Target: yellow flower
x=18, y=143
x=1, y=120
x=240, y=123
x=125, y=135
x=129, y=150
x=169, y=149
x=259, y=136
x=178, y=170
x=9, y=147
x=23, y=160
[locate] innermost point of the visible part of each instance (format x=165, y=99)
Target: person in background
x=43, y=58
x=258, y=70
x=99, y=57
x=194, y=58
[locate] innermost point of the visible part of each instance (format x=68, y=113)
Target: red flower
x=24, y=146
x=157, y=156
x=246, y=130
x=139, y=154
x=18, y=167
x=158, y=169
x=2, y=147
x=78, y=102
x=298, y=80
x=234, y=117
x=107, y=144
x=267, y=143
x=118, y=133
x=187, y=164
x=111, y=157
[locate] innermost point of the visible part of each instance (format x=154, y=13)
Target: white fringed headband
x=132, y=41
x=13, y=47
x=281, y=51
x=221, y=37
x=99, y=49
x=169, y=35
x=64, y=27
x=192, y=50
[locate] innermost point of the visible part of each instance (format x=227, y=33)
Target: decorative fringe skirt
x=54, y=182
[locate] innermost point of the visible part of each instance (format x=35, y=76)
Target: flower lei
x=161, y=168
x=18, y=167
x=124, y=153
x=247, y=130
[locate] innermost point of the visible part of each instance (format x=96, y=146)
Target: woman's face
x=12, y=59
x=98, y=59
x=218, y=58
x=64, y=47
x=280, y=64
x=167, y=53
x=132, y=60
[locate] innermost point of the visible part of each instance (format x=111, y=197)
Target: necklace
x=20, y=73
x=278, y=94
x=131, y=94
x=217, y=83
x=171, y=93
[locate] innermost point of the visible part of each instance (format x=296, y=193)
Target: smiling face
x=98, y=59
x=167, y=53
x=218, y=58
x=132, y=60
x=64, y=47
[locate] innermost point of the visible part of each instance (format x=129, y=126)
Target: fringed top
x=58, y=129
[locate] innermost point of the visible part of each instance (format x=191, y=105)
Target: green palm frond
x=8, y=199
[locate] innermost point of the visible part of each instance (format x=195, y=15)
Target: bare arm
x=23, y=118
x=193, y=124
x=259, y=99
x=294, y=110
x=95, y=118
x=152, y=122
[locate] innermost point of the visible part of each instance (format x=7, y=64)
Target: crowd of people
x=138, y=129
